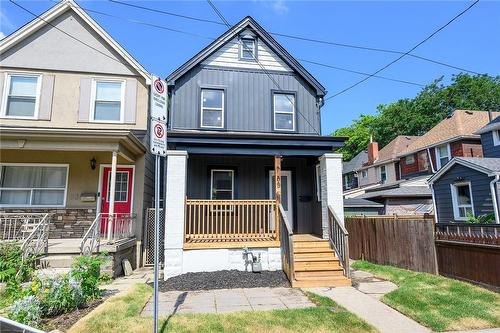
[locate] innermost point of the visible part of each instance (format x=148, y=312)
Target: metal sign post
x=158, y=146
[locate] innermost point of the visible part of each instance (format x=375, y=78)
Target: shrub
x=481, y=219
x=26, y=310
x=87, y=269
x=13, y=269
x=57, y=294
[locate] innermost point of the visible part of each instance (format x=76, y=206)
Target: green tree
x=359, y=136
x=415, y=116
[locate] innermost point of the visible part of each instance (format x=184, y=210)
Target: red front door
x=123, y=190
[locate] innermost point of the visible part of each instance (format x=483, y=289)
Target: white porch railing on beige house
x=109, y=228
x=30, y=228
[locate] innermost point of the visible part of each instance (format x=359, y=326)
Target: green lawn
x=438, y=302
x=121, y=313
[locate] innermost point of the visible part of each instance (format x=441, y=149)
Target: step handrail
x=339, y=238
x=92, y=237
x=286, y=244
x=37, y=241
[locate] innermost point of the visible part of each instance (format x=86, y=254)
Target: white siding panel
x=227, y=56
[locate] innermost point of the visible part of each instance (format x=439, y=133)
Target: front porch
x=231, y=203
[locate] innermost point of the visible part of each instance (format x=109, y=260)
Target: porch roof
x=231, y=143
x=122, y=141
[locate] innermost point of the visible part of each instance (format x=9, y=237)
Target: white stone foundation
x=211, y=260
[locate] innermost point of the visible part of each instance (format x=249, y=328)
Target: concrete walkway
x=371, y=310
x=228, y=300
x=140, y=275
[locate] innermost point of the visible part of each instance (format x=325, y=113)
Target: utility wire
x=360, y=73
x=406, y=53
x=212, y=38
x=307, y=39
x=67, y=34
x=221, y=16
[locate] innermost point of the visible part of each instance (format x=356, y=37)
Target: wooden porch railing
x=230, y=220
x=286, y=244
x=339, y=238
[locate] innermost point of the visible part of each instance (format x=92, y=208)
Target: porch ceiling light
x=93, y=163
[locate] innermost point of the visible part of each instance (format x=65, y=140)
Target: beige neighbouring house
x=73, y=117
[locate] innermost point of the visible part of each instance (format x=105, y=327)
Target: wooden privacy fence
x=402, y=241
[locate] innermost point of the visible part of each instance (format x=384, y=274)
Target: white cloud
x=278, y=6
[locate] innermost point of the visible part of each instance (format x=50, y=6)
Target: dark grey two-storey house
x=470, y=186
x=250, y=178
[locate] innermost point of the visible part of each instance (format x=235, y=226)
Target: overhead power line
x=152, y=25
x=67, y=34
x=221, y=16
x=406, y=53
x=306, y=39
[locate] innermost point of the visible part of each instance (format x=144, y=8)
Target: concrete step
x=64, y=246
x=57, y=260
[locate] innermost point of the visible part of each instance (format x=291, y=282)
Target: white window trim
x=284, y=112
x=37, y=188
x=212, y=181
x=412, y=157
x=93, y=97
x=454, y=199
x=243, y=47
x=6, y=94
x=109, y=187
x=318, y=182
x=438, y=156
x=213, y=109
x=380, y=173
x=496, y=137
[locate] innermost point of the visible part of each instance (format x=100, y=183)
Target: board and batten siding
x=489, y=148
x=229, y=56
x=481, y=194
x=248, y=99
x=252, y=182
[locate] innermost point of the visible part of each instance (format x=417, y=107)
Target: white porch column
x=331, y=188
x=175, y=200
x=112, y=186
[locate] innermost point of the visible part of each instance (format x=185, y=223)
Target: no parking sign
x=158, y=137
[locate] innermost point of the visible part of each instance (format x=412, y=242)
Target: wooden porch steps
x=316, y=264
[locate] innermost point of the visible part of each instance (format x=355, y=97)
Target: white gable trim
x=465, y=163
x=56, y=11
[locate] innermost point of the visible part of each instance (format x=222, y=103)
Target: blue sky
x=471, y=42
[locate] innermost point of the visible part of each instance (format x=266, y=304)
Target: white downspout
x=434, y=203
x=494, y=197
x=430, y=161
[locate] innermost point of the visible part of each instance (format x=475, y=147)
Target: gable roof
x=59, y=9
x=460, y=124
x=392, y=150
x=487, y=165
x=491, y=126
x=357, y=202
x=399, y=192
x=247, y=22
x=355, y=163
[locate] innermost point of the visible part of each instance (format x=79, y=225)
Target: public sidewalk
x=371, y=310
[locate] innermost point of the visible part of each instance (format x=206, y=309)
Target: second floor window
x=108, y=101
x=442, y=155
x=22, y=96
x=284, y=112
x=247, y=48
x=383, y=174
x=212, y=108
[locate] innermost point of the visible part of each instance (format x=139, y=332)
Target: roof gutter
x=495, y=198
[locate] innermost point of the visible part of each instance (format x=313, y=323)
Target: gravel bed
x=224, y=280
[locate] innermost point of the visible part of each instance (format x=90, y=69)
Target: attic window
x=247, y=49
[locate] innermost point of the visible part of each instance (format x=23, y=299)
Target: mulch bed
x=224, y=280
x=64, y=321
